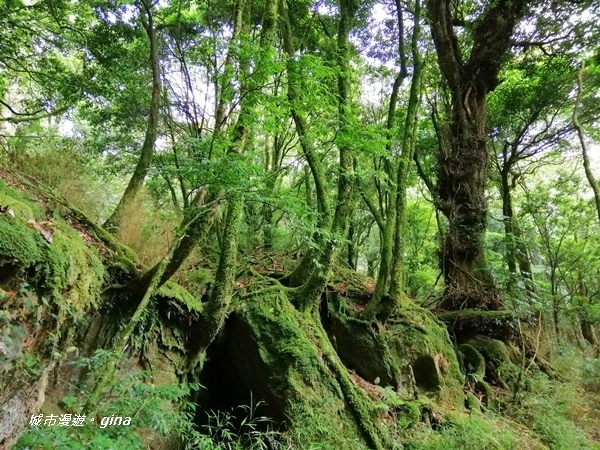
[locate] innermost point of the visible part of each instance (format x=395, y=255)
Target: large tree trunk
x=391, y=167
x=143, y=166
x=462, y=168
x=390, y=280
x=219, y=304
x=309, y=151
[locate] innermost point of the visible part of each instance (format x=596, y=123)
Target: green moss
x=19, y=244
x=473, y=432
x=23, y=207
x=492, y=349
x=472, y=403
x=499, y=357
x=71, y=269
x=273, y=317
x=124, y=256
x=408, y=412
x=411, y=342
x=180, y=297
x=472, y=361
x=305, y=371
x=200, y=276
x=67, y=269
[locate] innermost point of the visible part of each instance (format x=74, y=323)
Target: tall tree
x=310, y=293
x=462, y=168
x=142, y=167
x=584, y=148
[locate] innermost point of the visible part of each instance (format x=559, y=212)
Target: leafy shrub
x=162, y=411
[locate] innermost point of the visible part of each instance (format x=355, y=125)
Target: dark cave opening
x=235, y=378
x=426, y=374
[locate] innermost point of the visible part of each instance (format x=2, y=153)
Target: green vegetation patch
x=66, y=267
x=473, y=432
x=180, y=297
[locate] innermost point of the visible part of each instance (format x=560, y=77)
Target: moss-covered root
x=474, y=367
x=219, y=303
x=323, y=403
x=500, y=324
x=124, y=335
x=355, y=396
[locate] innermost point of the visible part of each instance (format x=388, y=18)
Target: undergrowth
x=473, y=432
x=154, y=411
x=563, y=413
x=546, y=413
x=157, y=414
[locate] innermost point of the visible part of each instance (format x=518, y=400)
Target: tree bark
x=586, y=159
x=388, y=217
x=462, y=168
x=147, y=152
x=397, y=280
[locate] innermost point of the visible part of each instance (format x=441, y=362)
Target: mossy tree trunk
x=397, y=281
x=219, y=304
x=147, y=152
x=310, y=293
x=197, y=217
x=309, y=150
x=390, y=279
x=388, y=216
x=197, y=221
x=462, y=168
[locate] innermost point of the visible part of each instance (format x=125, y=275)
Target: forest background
x=382, y=213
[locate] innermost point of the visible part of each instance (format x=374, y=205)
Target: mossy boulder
x=63, y=267
x=471, y=360
x=285, y=358
x=411, y=351
x=50, y=279
x=500, y=360
x=465, y=323
x=54, y=265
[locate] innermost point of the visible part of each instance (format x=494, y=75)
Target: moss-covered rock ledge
x=53, y=269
